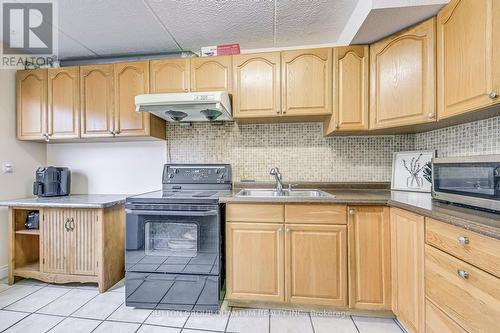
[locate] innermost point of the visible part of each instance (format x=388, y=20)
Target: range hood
x=187, y=107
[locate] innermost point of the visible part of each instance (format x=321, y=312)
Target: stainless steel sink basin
x=271, y=193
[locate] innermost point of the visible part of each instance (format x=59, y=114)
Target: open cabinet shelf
x=34, y=232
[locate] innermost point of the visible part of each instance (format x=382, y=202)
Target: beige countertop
x=70, y=201
x=485, y=223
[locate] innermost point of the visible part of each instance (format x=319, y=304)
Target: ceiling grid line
x=275, y=22
x=162, y=24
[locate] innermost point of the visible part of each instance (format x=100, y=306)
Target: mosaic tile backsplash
x=303, y=154
x=299, y=150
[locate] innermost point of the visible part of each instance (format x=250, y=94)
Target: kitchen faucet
x=277, y=175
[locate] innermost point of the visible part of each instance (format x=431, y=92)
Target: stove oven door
x=173, y=257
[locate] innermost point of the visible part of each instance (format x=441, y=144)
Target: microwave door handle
x=171, y=212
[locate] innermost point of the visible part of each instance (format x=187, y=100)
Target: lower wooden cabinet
x=272, y=257
x=255, y=261
x=316, y=264
x=369, y=258
x=72, y=245
x=407, y=266
x=436, y=321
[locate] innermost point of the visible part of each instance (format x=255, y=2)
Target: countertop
x=485, y=223
x=71, y=201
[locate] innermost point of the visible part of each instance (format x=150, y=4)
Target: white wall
x=111, y=167
x=24, y=156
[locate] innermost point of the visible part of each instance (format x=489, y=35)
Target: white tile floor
x=35, y=307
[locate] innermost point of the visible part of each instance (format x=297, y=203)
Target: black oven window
x=171, y=239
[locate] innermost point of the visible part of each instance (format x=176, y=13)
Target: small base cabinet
x=72, y=245
x=288, y=254
x=369, y=258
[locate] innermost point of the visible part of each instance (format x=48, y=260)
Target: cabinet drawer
x=317, y=213
x=478, y=250
x=255, y=213
x=436, y=321
x=472, y=301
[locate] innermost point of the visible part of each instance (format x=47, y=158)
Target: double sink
x=272, y=193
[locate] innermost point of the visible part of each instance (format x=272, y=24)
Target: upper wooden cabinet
x=130, y=79
x=257, y=85
x=211, y=74
x=402, y=83
x=468, y=56
x=170, y=75
x=369, y=258
x=97, y=100
x=63, y=116
x=407, y=267
x=350, y=89
x=31, y=89
x=316, y=264
x=306, y=80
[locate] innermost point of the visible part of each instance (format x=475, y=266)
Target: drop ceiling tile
x=196, y=23
x=305, y=22
x=111, y=27
x=69, y=48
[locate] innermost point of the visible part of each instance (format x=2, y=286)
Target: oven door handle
x=171, y=212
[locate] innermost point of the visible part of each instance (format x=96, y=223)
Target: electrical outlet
x=7, y=167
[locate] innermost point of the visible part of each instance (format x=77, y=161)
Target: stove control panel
x=197, y=174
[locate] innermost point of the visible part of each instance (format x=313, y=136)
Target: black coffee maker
x=52, y=182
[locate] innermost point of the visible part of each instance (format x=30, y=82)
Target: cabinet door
x=403, y=78
x=468, y=56
x=369, y=258
x=131, y=79
x=407, y=265
x=170, y=75
x=306, y=82
x=316, y=264
x=211, y=74
x=64, y=103
x=96, y=83
x=350, y=89
x=83, y=246
x=257, y=85
x=55, y=241
x=255, y=261
x=31, y=90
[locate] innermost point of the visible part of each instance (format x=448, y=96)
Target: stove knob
x=171, y=175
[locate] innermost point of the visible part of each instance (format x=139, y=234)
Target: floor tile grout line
x=29, y=314
x=311, y=321
x=228, y=318
x=354, y=322
x=72, y=313
x=55, y=299
x=25, y=295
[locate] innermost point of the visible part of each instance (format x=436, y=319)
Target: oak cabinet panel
x=83, y=241
x=63, y=103
x=316, y=264
x=170, y=75
x=403, y=78
x=306, y=82
x=55, y=241
x=266, y=213
x=369, y=258
x=436, y=321
x=255, y=261
x=97, y=100
x=31, y=89
x=407, y=266
x=351, y=91
x=470, y=296
x=257, y=85
x=468, y=56
x=211, y=74
x=130, y=79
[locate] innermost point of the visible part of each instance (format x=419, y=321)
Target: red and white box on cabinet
x=220, y=50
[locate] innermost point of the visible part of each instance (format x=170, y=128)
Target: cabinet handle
x=280, y=229
x=46, y=136
x=493, y=95
x=287, y=230
x=283, y=111
x=337, y=126
x=462, y=240
x=66, y=225
x=430, y=115
x=72, y=224
x=462, y=274
x=352, y=211
x=113, y=133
